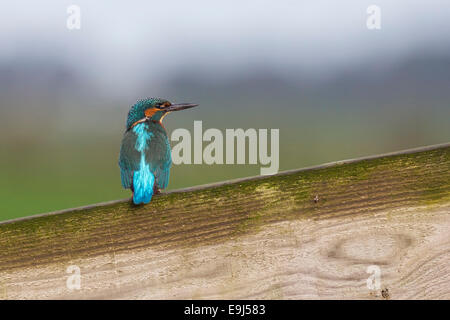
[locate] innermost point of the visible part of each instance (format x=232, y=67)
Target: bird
x=145, y=154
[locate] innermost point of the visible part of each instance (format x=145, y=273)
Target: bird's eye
x=163, y=105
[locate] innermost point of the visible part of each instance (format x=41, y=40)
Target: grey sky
x=121, y=42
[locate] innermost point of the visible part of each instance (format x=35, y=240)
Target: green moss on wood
x=223, y=212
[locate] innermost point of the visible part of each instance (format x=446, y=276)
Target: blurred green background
x=335, y=89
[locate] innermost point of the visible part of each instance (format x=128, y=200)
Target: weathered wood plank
x=256, y=238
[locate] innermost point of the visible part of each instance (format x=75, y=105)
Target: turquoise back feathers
x=143, y=179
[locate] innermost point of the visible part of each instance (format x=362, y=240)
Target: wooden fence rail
x=372, y=228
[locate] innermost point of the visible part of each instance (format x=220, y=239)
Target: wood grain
x=263, y=238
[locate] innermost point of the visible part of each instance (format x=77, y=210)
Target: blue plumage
x=143, y=179
x=145, y=154
x=143, y=182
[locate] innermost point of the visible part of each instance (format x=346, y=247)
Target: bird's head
x=153, y=109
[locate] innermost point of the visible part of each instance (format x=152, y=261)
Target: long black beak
x=180, y=106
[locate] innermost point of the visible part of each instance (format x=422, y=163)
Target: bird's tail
x=143, y=182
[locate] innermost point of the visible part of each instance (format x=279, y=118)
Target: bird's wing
x=129, y=158
x=159, y=155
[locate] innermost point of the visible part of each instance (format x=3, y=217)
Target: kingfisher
x=145, y=155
